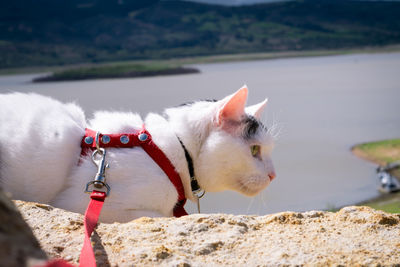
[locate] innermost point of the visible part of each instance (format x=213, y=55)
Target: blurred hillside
x=57, y=32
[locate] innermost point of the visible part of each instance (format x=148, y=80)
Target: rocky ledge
x=352, y=236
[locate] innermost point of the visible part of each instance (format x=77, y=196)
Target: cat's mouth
x=253, y=185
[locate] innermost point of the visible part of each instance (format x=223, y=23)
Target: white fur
x=40, y=149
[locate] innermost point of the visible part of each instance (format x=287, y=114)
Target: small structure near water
x=388, y=182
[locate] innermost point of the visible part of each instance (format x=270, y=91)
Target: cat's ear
x=232, y=107
x=257, y=109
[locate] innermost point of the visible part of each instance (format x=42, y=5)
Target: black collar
x=193, y=181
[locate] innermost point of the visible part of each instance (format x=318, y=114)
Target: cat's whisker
x=250, y=204
x=260, y=207
x=264, y=203
x=276, y=128
x=243, y=186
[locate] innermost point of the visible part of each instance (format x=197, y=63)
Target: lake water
x=323, y=105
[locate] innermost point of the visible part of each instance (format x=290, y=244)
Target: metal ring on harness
x=199, y=193
x=94, y=181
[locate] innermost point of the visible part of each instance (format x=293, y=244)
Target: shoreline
x=385, y=201
x=358, y=153
x=184, y=61
x=92, y=73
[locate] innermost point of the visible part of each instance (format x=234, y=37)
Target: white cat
x=40, y=149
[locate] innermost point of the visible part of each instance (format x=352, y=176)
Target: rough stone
x=18, y=246
x=353, y=236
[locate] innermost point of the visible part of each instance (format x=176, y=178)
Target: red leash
x=87, y=258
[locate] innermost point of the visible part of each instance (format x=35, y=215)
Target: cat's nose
x=272, y=175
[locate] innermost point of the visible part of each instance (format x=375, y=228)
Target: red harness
x=143, y=139
x=129, y=140
x=126, y=140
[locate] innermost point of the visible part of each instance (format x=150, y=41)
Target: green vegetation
x=114, y=71
x=141, y=68
x=96, y=31
x=382, y=153
x=390, y=203
x=177, y=62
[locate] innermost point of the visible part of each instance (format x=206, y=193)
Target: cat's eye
x=255, y=150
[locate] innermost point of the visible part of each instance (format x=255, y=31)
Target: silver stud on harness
x=143, y=137
x=89, y=140
x=124, y=139
x=105, y=139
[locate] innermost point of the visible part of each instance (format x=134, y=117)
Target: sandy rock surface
x=352, y=236
x=18, y=246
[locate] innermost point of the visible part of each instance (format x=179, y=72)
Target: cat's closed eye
x=255, y=151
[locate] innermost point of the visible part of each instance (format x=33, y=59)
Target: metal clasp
x=197, y=191
x=99, y=159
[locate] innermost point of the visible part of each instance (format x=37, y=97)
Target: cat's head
x=235, y=148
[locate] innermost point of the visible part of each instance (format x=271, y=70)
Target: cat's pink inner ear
x=257, y=109
x=233, y=106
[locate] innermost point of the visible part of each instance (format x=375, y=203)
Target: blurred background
x=331, y=71
x=52, y=32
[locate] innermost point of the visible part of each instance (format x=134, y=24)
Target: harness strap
x=143, y=139
x=124, y=140
x=163, y=162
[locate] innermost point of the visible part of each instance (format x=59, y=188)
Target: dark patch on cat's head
x=251, y=126
x=192, y=102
